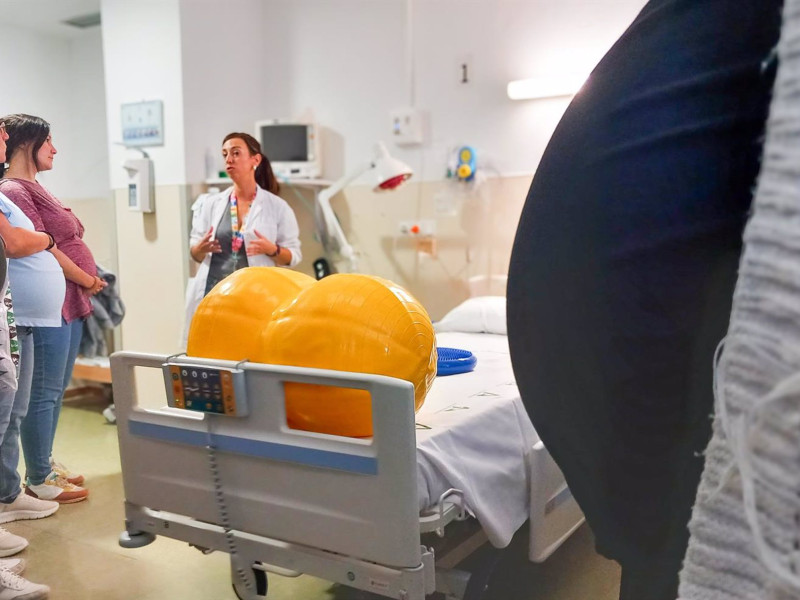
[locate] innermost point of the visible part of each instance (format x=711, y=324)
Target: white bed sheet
x=474, y=434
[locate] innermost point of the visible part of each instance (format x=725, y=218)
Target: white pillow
x=483, y=314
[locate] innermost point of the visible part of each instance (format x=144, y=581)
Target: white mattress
x=473, y=433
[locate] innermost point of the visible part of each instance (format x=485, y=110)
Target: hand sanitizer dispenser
x=141, y=188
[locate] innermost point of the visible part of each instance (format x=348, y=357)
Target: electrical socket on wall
x=407, y=126
x=418, y=228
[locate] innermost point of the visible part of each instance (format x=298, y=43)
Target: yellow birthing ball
x=229, y=321
x=356, y=323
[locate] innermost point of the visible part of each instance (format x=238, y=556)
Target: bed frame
x=293, y=502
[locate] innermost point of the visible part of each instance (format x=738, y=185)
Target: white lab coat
x=269, y=214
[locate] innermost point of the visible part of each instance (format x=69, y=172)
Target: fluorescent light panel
x=554, y=86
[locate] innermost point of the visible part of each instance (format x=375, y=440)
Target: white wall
x=61, y=80
x=503, y=40
x=220, y=66
x=224, y=82
x=143, y=61
x=142, y=56
x=86, y=157
x=347, y=60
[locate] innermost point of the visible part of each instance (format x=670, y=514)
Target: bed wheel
x=135, y=539
x=258, y=583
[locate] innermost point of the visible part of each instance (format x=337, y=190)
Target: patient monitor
x=293, y=148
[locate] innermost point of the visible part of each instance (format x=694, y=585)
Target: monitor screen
x=285, y=143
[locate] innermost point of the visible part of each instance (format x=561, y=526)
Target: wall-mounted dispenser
x=142, y=125
x=141, y=186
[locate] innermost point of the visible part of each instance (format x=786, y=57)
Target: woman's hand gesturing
x=261, y=245
x=205, y=245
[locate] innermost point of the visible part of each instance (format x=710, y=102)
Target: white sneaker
x=26, y=507
x=110, y=413
x=65, y=473
x=10, y=544
x=15, y=565
x=14, y=587
x=58, y=489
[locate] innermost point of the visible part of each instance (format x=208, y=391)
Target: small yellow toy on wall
x=465, y=170
x=346, y=322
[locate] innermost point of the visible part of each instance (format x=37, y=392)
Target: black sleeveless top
x=223, y=263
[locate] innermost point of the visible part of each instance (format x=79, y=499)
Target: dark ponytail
x=22, y=130
x=265, y=178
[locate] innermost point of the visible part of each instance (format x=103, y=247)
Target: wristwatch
x=277, y=251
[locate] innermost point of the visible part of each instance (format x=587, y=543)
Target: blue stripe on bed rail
x=366, y=465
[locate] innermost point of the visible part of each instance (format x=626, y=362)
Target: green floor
x=76, y=553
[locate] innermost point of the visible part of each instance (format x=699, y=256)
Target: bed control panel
x=215, y=390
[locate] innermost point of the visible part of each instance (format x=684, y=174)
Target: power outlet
x=419, y=228
x=407, y=127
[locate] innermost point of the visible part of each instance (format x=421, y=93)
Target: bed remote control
x=215, y=390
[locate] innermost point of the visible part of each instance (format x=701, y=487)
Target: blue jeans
x=55, y=349
x=12, y=409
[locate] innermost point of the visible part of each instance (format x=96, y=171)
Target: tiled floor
x=76, y=552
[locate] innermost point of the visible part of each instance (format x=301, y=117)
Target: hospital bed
x=365, y=513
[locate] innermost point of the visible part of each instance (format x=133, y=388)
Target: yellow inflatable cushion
x=346, y=322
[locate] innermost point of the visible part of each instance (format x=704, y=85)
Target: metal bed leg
x=256, y=586
x=458, y=584
x=479, y=579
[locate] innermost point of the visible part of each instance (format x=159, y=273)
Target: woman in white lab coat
x=245, y=225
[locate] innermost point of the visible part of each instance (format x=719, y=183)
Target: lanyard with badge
x=237, y=241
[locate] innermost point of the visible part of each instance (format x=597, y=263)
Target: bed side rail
x=555, y=514
x=352, y=496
